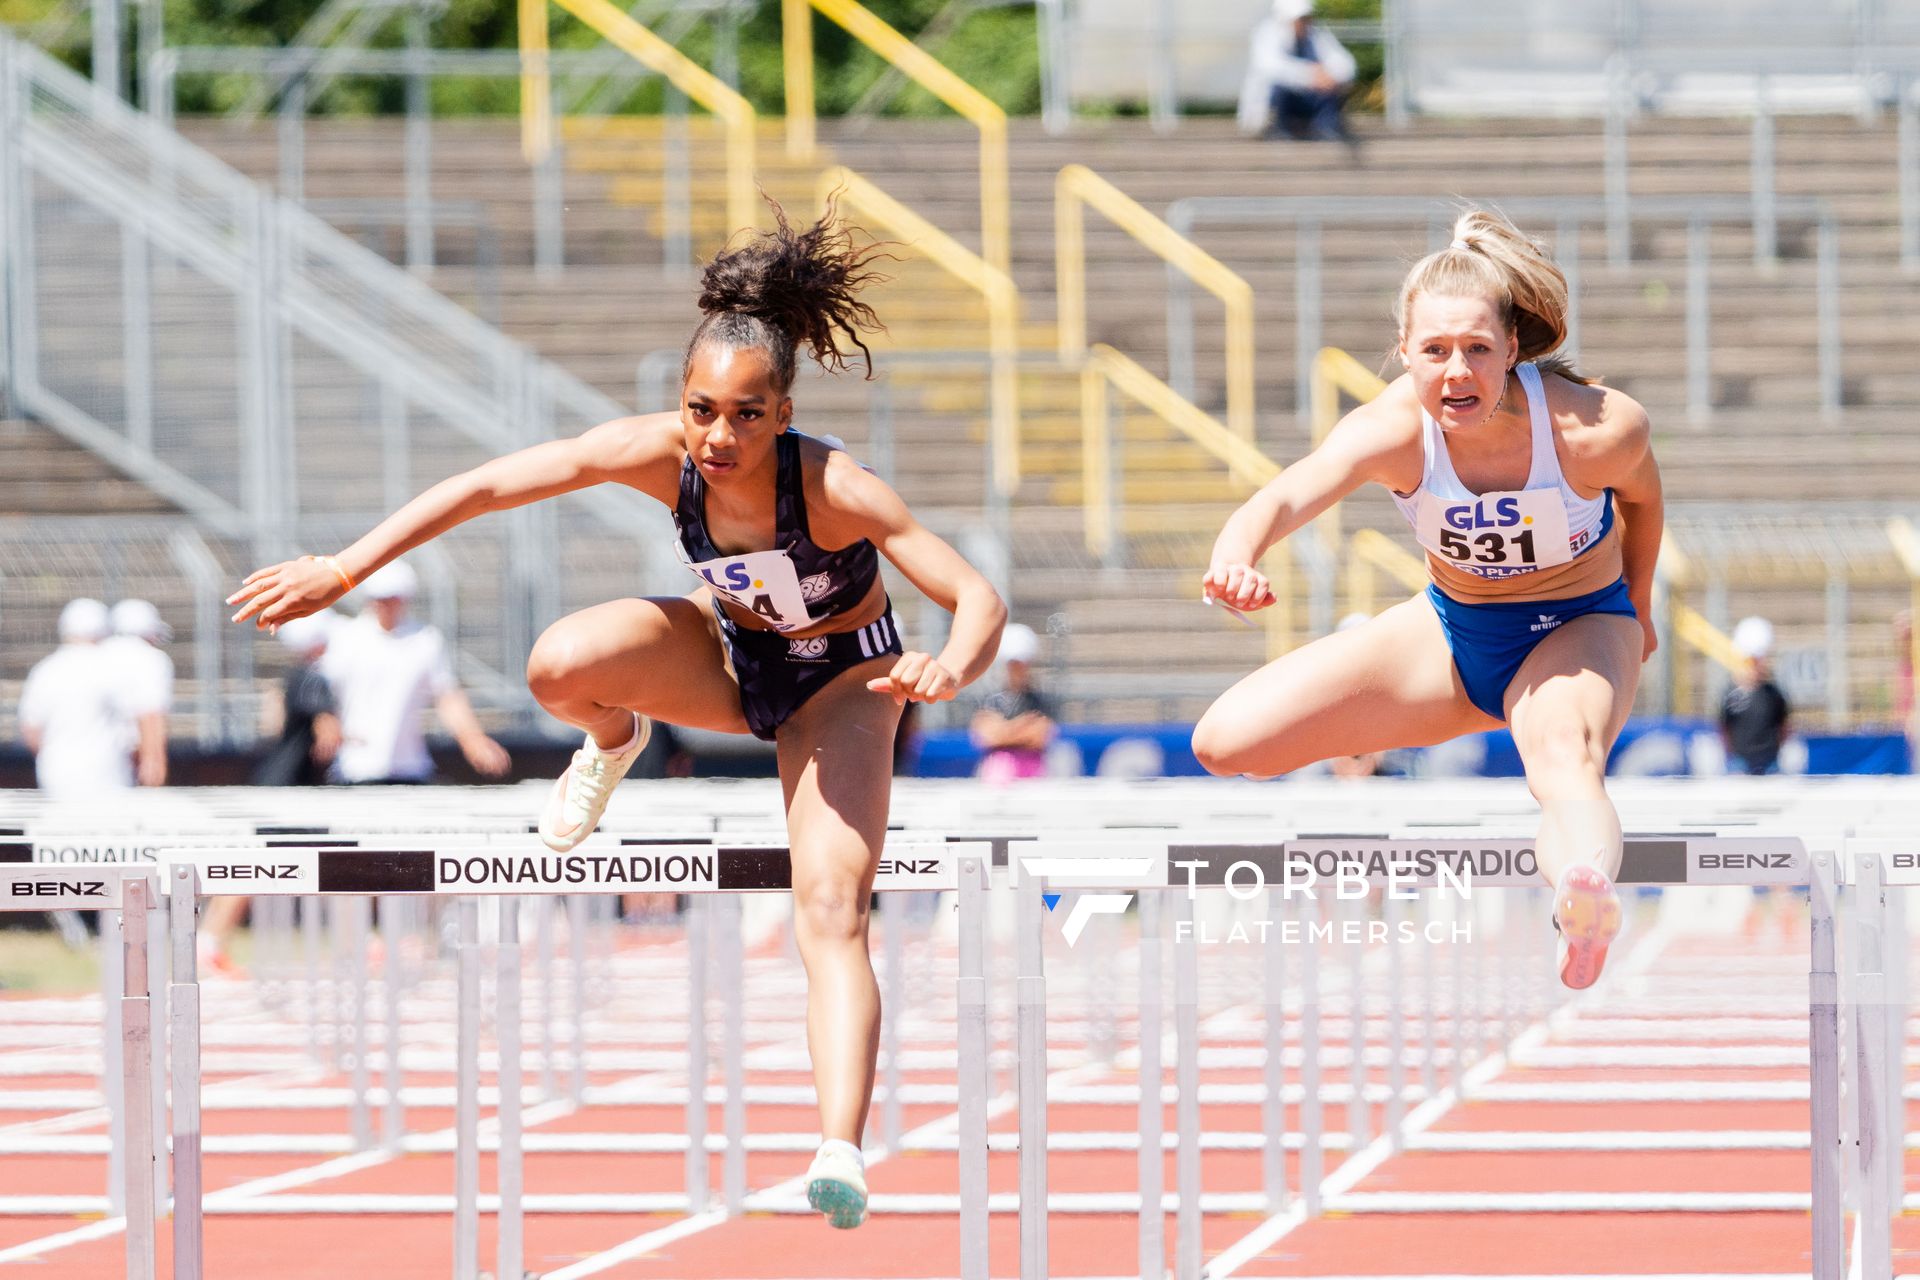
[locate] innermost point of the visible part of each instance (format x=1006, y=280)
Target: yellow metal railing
x=700, y=85
x=924, y=70
x=1369, y=551
x=1105, y=367
x=1334, y=371
x=1906, y=545
x=1689, y=627
x=856, y=193
x=1077, y=186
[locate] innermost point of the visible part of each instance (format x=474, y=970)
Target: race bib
x=1497, y=535
x=762, y=582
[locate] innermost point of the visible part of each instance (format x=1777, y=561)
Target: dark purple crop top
x=834, y=581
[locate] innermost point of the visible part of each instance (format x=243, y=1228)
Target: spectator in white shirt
x=74, y=709
x=1298, y=77
x=386, y=669
x=136, y=652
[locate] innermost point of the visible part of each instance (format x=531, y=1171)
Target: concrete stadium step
x=42, y=473
x=616, y=304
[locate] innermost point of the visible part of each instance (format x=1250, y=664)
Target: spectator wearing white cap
x=1754, y=714
x=1298, y=77
x=386, y=669
x=1015, y=726
x=136, y=651
x=74, y=708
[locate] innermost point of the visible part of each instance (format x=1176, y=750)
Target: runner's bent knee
x=832, y=910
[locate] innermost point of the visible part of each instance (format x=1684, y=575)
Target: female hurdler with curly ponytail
x=1537, y=500
x=789, y=636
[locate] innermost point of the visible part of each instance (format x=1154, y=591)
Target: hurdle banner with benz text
x=1309, y=863
x=469, y=869
x=316, y=863
x=512, y=864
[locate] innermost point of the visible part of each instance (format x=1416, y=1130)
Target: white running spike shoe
x=837, y=1185
x=580, y=794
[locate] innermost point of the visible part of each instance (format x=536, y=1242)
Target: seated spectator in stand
x=74, y=709
x=1754, y=714
x=136, y=651
x=1016, y=725
x=386, y=669
x=1298, y=78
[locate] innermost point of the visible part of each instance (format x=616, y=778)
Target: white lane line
x=33, y=1249
x=642, y=1245
x=1352, y=1170
x=934, y=1131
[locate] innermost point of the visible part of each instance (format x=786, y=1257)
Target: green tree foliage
x=993, y=49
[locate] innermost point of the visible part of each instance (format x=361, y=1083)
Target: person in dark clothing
x=1299, y=76
x=309, y=737
x=1015, y=725
x=310, y=734
x=1754, y=714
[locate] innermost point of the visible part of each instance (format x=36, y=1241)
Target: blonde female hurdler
x=790, y=635
x=1536, y=498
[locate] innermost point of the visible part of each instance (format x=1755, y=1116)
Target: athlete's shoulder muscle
x=1380, y=440
x=643, y=452
x=1604, y=433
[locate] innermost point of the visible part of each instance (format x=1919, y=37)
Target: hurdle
x=982, y=870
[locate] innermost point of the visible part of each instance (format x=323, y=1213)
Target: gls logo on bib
x=1497, y=535
x=762, y=581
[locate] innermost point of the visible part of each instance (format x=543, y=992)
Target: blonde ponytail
x=1491, y=257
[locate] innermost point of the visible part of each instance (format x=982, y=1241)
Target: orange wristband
x=334, y=565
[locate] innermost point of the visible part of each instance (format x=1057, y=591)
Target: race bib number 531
x=1497, y=535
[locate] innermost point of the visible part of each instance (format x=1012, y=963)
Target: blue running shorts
x=1490, y=641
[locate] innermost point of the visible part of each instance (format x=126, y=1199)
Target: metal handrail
x=1075, y=186
x=926, y=71
x=993, y=285
x=196, y=563
x=1334, y=371
x=1685, y=624
x=692, y=79
x=322, y=42
x=1309, y=213
x=1369, y=550
x=290, y=277
x=1105, y=367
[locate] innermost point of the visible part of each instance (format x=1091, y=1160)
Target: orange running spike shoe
x=1586, y=914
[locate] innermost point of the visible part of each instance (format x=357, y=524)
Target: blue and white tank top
x=797, y=583
x=1511, y=532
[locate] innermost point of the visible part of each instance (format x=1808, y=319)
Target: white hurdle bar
x=1410, y=860
x=1153, y=865
x=465, y=874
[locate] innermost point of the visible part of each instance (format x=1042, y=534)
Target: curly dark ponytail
x=786, y=288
